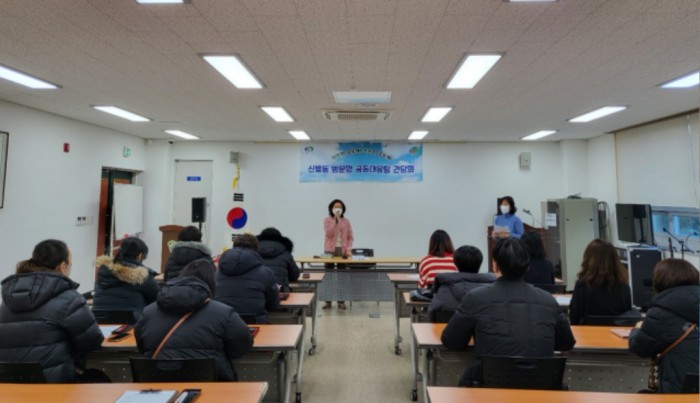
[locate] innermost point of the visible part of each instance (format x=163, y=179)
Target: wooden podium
x=169, y=234
x=490, y=241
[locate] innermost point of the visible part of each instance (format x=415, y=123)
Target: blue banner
x=361, y=162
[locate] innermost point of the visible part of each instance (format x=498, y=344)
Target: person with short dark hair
x=123, y=282
x=244, y=283
x=671, y=312
x=276, y=252
x=541, y=270
x=508, y=317
x=212, y=330
x=509, y=223
x=187, y=248
x=601, y=288
x=338, y=238
x=449, y=288
x=43, y=318
x=438, y=260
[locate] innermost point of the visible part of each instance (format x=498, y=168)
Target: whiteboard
x=127, y=208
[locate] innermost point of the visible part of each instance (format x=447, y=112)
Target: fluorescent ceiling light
x=597, y=114
x=362, y=97
x=25, y=79
x=539, y=135
x=162, y=1
x=122, y=113
x=181, y=134
x=277, y=113
x=472, y=69
x=435, y=114
x=687, y=81
x=418, y=134
x=299, y=135
x=233, y=70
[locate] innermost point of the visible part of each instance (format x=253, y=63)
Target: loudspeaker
x=199, y=209
x=641, y=263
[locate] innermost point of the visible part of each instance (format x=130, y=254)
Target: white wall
x=602, y=175
x=46, y=189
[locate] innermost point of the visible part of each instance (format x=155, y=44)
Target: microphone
x=534, y=220
x=682, y=243
x=694, y=233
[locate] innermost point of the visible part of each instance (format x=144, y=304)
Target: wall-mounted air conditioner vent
x=355, y=116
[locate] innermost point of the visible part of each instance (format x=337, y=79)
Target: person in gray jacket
x=43, y=318
x=186, y=249
x=276, y=252
x=449, y=288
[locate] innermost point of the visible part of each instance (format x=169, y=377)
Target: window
x=682, y=222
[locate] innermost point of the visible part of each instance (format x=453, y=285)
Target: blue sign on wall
x=194, y=179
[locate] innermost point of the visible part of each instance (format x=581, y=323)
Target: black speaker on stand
x=641, y=263
x=199, y=210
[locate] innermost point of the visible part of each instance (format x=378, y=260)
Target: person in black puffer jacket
x=276, y=252
x=449, y=288
x=186, y=249
x=213, y=330
x=244, y=283
x=508, y=317
x=672, y=311
x=123, y=282
x=43, y=318
x=541, y=270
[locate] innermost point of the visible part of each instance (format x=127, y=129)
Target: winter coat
x=245, y=284
x=276, y=253
x=587, y=301
x=331, y=228
x=182, y=253
x=44, y=319
x=508, y=317
x=541, y=271
x=213, y=330
x=449, y=289
x=668, y=317
x=124, y=285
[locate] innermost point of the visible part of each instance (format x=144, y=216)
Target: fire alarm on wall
x=66, y=147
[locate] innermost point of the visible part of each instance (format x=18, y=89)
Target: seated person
x=672, y=311
x=602, y=288
x=449, y=288
x=186, y=249
x=43, y=318
x=124, y=283
x=242, y=281
x=541, y=270
x=276, y=253
x=508, y=317
x=212, y=330
x=438, y=260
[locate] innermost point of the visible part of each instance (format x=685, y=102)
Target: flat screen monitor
x=634, y=223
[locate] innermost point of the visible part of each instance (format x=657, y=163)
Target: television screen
x=634, y=223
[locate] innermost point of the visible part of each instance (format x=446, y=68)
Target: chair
x=523, y=372
x=690, y=384
x=594, y=320
x=173, y=370
x=249, y=319
x=552, y=288
x=21, y=372
x=114, y=316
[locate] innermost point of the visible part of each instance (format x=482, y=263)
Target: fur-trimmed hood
x=110, y=274
x=284, y=241
x=191, y=245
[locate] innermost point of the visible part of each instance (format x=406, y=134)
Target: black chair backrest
x=249, y=319
x=691, y=384
x=21, y=372
x=552, y=288
x=594, y=320
x=442, y=316
x=114, y=316
x=173, y=370
x=522, y=372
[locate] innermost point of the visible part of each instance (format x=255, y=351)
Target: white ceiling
x=561, y=59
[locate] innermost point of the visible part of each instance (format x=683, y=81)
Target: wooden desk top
x=270, y=337
x=403, y=278
x=298, y=300
x=479, y=395
x=366, y=260
x=313, y=277
x=244, y=392
x=587, y=337
x=562, y=299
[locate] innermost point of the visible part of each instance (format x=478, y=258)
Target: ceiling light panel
x=122, y=113
x=687, y=81
x=277, y=113
x=181, y=134
x=538, y=135
x=299, y=135
x=435, y=114
x=25, y=79
x=233, y=69
x=597, y=114
x=418, y=134
x=472, y=70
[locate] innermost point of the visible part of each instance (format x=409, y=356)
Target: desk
x=479, y=395
x=401, y=282
x=407, y=262
x=600, y=361
x=311, y=282
x=212, y=392
x=276, y=340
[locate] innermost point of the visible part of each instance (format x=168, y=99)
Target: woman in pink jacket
x=338, y=239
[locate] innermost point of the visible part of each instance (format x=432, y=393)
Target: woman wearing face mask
x=338, y=239
x=506, y=219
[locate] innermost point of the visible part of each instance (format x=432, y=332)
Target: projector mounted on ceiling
x=355, y=116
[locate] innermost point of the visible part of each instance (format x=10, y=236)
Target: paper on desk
x=563, y=299
x=359, y=257
x=146, y=396
x=108, y=329
x=624, y=333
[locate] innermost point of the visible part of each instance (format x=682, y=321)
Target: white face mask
x=505, y=209
x=338, y=211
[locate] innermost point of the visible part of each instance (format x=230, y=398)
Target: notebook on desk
x=146, y=396
x=619, y=332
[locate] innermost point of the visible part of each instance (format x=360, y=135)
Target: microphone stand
x=534, y=220
x=682, y=243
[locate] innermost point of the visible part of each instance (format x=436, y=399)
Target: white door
x=192, y=179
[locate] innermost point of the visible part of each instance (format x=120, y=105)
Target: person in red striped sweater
x=439, y=259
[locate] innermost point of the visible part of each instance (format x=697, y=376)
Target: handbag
x=654, y=382
x=172, y=330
